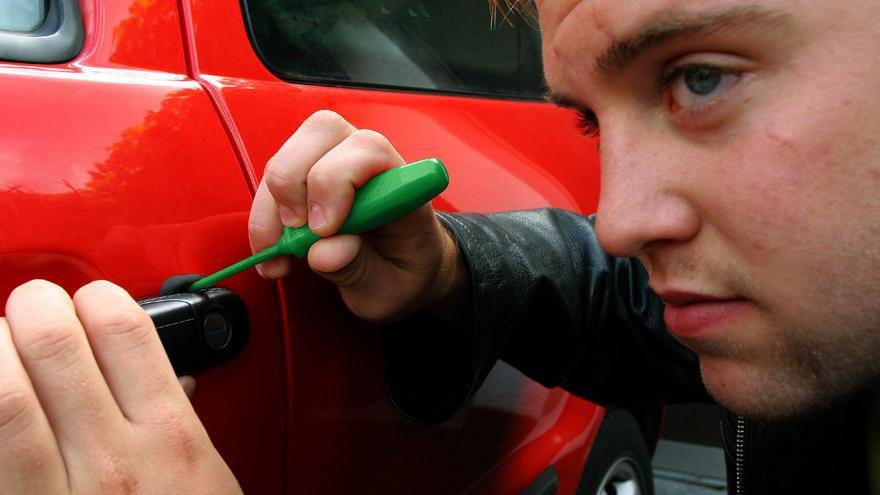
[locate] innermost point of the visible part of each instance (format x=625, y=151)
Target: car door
x=272, y=64
x=115, y=164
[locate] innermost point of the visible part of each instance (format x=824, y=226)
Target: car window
x=40, y=31
x=422, y=45
x=22, y=16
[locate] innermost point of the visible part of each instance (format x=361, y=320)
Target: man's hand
x=89, y=402
x=383, y=275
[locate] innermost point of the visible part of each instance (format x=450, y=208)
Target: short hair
x=507, y=8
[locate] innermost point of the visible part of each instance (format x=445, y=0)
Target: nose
x=645, y=200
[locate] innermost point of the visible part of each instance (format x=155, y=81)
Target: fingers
x=338, y=259
x=312, y=179
x=388, y=273
x=287, y=171
x=55, y=352
x=333, y=180
x=128, y=350
x=61, y=430
x=281, y=196
x=264, y=229
x=351, y=264
x=30, y=461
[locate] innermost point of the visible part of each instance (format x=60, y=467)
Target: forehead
x=604, y=20
x=578, y=33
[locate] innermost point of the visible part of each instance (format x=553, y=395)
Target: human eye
x=691, y=87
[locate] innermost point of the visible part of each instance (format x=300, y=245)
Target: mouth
x=692, y=315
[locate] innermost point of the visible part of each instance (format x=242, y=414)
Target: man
x=740, y=171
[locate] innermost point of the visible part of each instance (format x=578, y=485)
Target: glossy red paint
x=116, y=166
x=137, y=160
x=498, y=158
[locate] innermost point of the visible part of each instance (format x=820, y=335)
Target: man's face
x=741, y=162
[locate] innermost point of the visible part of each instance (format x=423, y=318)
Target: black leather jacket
x=548, y=300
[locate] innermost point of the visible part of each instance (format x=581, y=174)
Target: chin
x=765, y=394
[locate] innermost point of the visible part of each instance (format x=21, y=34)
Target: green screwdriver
x=386, y=197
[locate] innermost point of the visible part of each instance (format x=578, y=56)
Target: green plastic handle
x=385, y=198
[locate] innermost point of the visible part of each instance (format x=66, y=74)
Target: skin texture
x=383, y=276
x=764, y=191
x=89, y=402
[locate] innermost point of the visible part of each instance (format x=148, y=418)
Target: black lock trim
x=199, y=330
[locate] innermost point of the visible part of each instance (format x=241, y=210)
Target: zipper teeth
x=740, y=453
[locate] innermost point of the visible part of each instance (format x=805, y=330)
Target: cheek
x=802, y=221
x=779, y=188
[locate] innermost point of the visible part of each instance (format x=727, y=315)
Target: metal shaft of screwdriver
x=264, y=255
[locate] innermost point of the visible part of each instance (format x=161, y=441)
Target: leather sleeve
x=549, y=301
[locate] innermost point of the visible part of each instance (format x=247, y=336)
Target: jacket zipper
x=740, y=453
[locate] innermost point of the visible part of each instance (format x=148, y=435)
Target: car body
x=137, y=158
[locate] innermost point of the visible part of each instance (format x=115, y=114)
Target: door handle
x=201, y=329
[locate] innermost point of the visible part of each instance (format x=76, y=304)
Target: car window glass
x=22, y=15
x=447, y=46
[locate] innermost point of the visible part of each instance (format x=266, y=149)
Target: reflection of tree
x=161, y=162
x=168, y=186
x=164, y=169
x=150, y=37
x=163, y=179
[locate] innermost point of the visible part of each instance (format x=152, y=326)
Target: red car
x=132, y=138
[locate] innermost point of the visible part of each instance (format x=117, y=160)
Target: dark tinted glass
x=443, y=45
x=22, y=16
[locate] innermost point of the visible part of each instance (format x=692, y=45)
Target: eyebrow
x=668, y=27
x=675, y=25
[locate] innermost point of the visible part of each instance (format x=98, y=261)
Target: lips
x=693, y=315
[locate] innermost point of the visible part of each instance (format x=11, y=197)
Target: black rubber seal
x=177, y=284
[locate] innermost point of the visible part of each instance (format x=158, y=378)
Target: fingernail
x=289, y=218
x=316, y=217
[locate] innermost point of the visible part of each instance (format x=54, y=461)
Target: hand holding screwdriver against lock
x=385, y=275
x=386, y=197
x=738, y=215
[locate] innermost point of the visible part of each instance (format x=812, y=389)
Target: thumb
x=370, y=287
x=340, y=259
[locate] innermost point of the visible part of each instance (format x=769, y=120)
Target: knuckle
x=18, y=419
x=53, y=340
x=257, y=227
x=371, y=140
x=277, y=174
x=125, y=324
x=318, y=177
x=325, y=119
x=262, y=231
x=16, y=409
